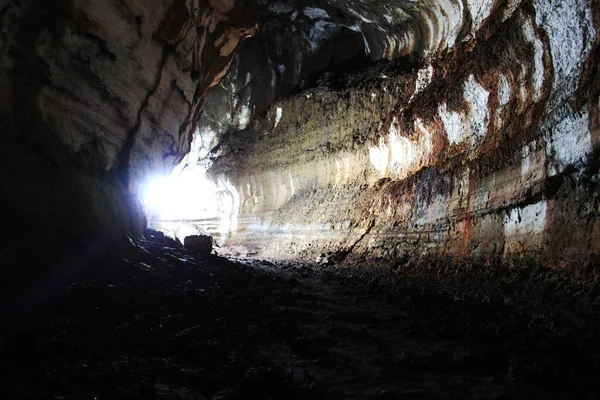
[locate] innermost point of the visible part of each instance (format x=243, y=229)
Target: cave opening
x=187, y=203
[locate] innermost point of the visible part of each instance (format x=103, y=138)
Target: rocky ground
x=160, y=323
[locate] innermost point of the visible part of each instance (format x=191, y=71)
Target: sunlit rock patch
x=301, y=41
x=465, y=154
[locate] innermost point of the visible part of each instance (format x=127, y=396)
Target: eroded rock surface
x=302, y=41
x=483, y=144
x=454, y=128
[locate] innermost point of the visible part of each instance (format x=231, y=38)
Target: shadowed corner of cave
x=289, y=199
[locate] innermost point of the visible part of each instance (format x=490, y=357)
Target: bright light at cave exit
x=185, y=195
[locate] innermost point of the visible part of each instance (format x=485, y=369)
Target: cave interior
x=300, y=199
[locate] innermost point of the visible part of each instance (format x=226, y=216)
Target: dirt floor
x=160, y=323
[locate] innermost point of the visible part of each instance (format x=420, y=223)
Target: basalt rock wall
x=95, y=96
x=479, y=142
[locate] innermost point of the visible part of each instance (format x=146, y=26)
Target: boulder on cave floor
x=200, y=244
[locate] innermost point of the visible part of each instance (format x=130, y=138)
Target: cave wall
x=301, y=43
x=95, y=96
x=488, y=150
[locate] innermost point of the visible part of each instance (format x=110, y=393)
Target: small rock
x=331, y=257
x=200, y=244
x=154, y=236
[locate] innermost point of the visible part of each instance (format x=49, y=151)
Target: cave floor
x=163, y=324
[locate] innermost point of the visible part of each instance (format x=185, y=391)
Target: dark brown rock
x=199, y=244
x=154, y=236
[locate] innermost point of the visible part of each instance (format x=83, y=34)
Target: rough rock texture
x=97, y=95
x=488, y=149
x=300, y=42
x=163, y=324
x=447, y=128
x=199, y=244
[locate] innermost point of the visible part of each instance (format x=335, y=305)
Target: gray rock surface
x=479, y=142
